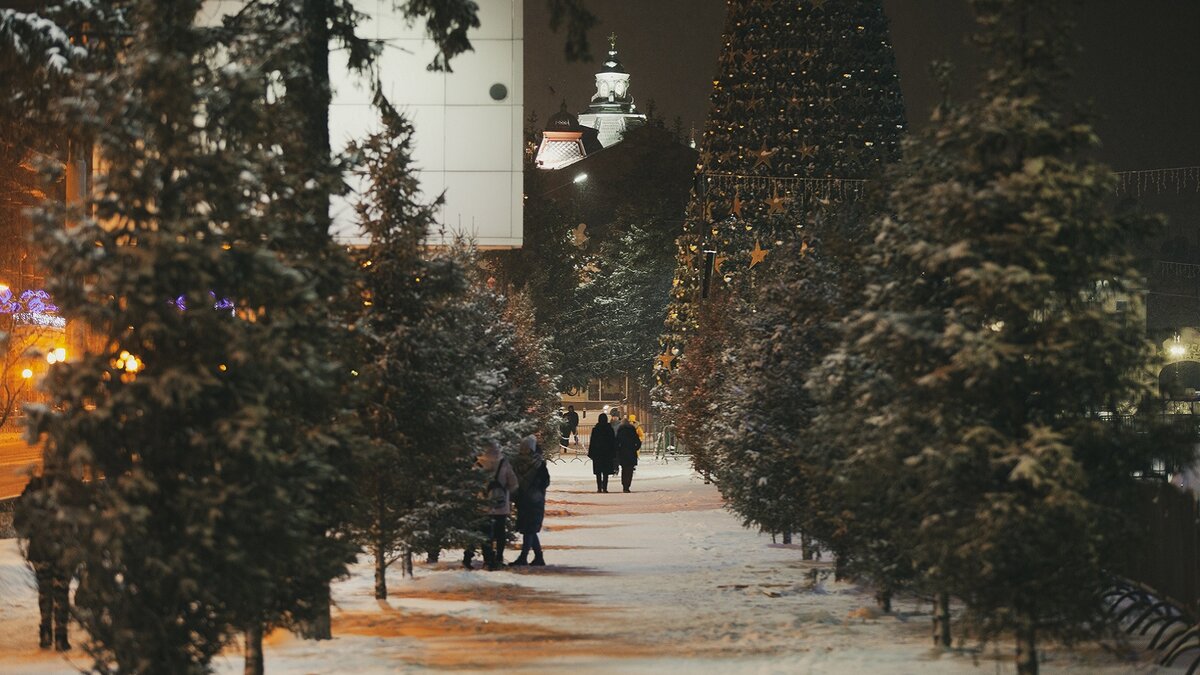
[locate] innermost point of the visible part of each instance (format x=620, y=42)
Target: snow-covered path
x=660, y=580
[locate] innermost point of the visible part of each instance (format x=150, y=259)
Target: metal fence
x=1165, y=558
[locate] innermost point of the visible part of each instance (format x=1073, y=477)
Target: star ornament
x=757, y=255
x=775, y=204
x=580, y=234
x=717, y=262
x=808, y=151
x=665, y=361
x=764, y=157
x=736, y=209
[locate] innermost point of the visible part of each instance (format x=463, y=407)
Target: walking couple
x=526, y=485
x=609, y=449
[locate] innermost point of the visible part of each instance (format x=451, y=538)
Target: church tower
x=568, y=139
x=612, y=110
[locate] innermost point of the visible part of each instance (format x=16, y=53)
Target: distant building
x=612, y=112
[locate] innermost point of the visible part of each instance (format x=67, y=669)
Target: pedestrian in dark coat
x=531, y=501
x=573, y=421
x=602, y=449
x=628, y=445
x=45, y=555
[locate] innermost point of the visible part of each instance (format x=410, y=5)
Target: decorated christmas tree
x=805, y=109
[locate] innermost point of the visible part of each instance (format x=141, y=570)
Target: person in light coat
x=501, y=482
x=628, y=445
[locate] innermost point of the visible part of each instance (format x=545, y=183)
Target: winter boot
x=538, y=561
x=44, y=640
x=61, y=644
x=521, y=560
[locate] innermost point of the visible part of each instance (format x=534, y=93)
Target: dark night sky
x=1140, y=65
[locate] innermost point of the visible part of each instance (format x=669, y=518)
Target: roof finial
x=612, y=42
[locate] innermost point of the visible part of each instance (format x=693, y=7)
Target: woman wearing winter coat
x=531, y=500
x=628, y=445
x=502, y=481
x=602, y=450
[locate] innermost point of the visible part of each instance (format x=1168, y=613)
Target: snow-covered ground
x=660, y=580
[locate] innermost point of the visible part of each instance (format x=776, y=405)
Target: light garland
x=1159, y=181
x=31, y=308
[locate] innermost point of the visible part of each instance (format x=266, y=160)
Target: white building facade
x=468, y=140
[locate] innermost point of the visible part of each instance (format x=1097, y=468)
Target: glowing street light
x=579, y=179
x=26, y=374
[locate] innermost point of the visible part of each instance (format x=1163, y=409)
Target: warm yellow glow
x=27, y=373
x=51, y=358
x=1177, y=350
x=128, y=362
x=60, y=354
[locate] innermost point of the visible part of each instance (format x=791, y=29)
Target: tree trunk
x=254, y=650
x=883, y=598
x=941, y=620
x=408, y=562
x=839, y=566
x=433, y=555
x=320, y=626
x=1027, y=661
x=787, y=537
x=806, y=551
x=380, y=570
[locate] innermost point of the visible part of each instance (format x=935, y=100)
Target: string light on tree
x=805, y=111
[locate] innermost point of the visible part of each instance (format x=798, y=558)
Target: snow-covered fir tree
x=202, y=416
x=972, y=372
x=547, y=269
x=700, y=380
x=773, y=466
x=528, y=400
x=425, y=386
x=629, y=291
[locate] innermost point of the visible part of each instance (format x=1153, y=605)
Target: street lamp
x=579, y=179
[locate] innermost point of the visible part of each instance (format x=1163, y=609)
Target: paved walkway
x=662, y=580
